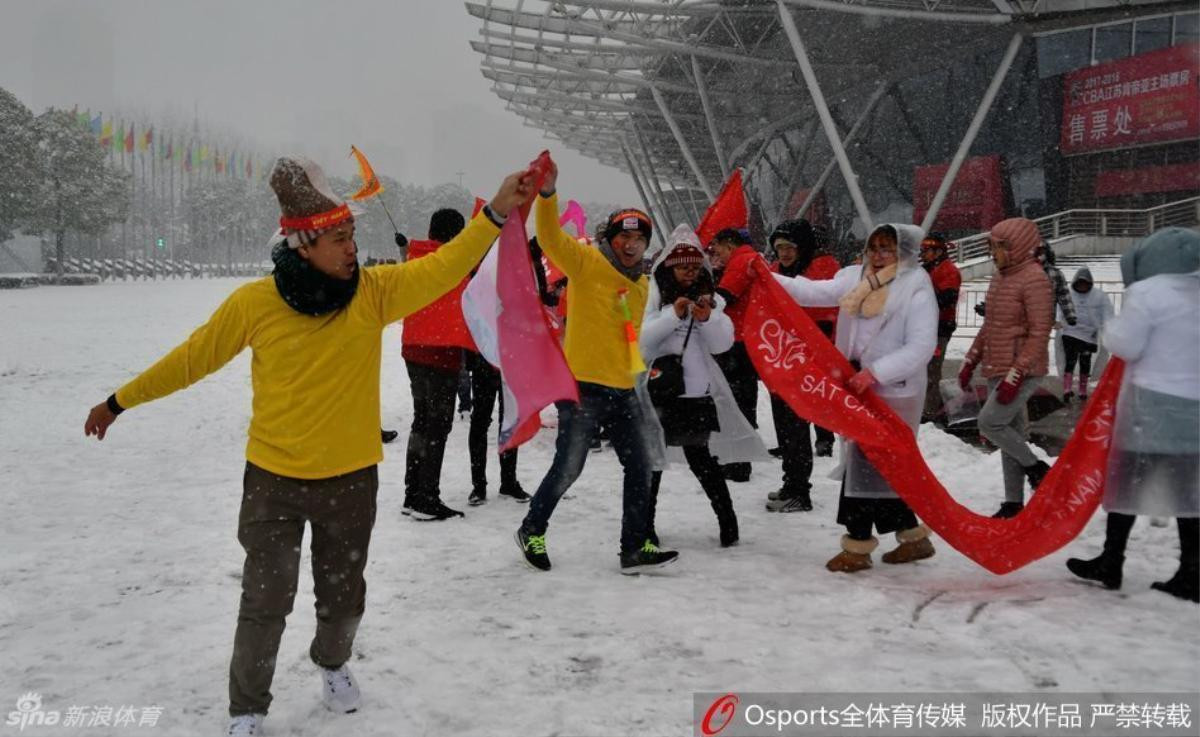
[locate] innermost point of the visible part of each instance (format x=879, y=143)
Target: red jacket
x=439, y=325
x=947, y=280
x=735, y=285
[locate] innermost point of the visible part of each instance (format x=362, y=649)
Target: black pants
x=485, y=390
x=743, y=380
x=859, y=515
x=1074, y=348
x=433, y=393
x=1118, y=527
x=791, y=430
x=707, y=470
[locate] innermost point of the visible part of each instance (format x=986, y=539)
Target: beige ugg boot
x=914, y=546
x=855, y=555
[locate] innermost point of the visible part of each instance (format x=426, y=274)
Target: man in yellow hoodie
x=315, y=328
x=608, y=296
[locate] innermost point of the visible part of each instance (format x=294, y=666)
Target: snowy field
x=119, y=573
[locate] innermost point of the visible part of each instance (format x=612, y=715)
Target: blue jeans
x=577, y=424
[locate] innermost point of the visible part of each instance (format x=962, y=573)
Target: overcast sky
x=394, y=77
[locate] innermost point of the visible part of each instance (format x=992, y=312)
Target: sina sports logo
x=720, y=713
x=29, y=713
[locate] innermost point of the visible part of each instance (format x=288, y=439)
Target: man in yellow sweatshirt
x=315, y=328
x=608, y=296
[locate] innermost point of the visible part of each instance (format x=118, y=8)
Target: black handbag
x=685, y=420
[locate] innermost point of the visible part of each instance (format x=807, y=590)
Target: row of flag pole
x=121, y=137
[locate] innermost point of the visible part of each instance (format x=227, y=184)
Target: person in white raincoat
x=887, y=327
x=685, y=317
x=1154, y=461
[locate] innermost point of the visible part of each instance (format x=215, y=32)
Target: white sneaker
x=341, y=692
x=246, y=725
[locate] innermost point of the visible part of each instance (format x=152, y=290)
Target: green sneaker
x=533, y=547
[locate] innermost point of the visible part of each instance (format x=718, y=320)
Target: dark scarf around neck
x=307, y=290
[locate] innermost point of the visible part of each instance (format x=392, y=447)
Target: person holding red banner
x=1012, y=350
x=608, y=298
x=731, y=254
x=315, y=327
x=1154, y=463
x=887, y=328
x=795, y=243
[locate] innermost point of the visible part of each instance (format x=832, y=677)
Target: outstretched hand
x=98, y=421
x=515, y=190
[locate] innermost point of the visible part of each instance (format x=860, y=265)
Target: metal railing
x=1118, y=223
x=973, y=293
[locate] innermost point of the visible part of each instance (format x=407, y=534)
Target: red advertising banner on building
x=1149, y=98
x=1169, y=178
x=976, y=201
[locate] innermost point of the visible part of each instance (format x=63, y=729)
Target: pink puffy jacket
x=1020, y=302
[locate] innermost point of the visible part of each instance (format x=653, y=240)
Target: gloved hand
x=964, y=375
x=1071, y=321
x=1007, y=390
x=401, y=241
x=861, y=381
x=981, y=308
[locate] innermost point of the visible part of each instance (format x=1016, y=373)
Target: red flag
x=479, y=203
x=129, y=140
x=727, y=211
x=797, y=363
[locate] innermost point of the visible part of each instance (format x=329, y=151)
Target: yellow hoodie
x=596, y=346
x=315, y=379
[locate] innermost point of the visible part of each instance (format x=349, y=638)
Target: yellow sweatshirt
x=596, y=346
x=315, y=379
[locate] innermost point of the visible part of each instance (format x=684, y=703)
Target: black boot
x=1036, y=473
x=1186, y=581
x=726, y=520
x=1106, y=567
x=1008, y=510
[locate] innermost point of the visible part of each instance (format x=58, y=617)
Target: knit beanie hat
x=682, y=254
x=308, y=205
x=631, y=219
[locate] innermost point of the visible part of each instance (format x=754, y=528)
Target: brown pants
x=274, y=509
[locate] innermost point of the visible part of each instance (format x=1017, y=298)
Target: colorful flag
x=106, y=134
x=479, y=203
x=799, y=364
x=533, y=369
x=187, y=160
x=146, y=139
x=727, y=211
x=575, y=215
x=129, y=139
x=119, y=139
x=96, y=127
x=371, y=185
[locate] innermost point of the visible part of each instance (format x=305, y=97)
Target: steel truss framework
x=679, y=92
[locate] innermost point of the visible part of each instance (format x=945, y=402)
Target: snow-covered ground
x=119, y=571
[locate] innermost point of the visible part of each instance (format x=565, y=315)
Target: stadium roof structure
x=678, y=93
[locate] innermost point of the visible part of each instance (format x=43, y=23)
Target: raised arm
x=568, y=254
x=818, y=292
x=210, y=347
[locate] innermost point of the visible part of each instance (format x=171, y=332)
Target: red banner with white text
x=797, y=363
